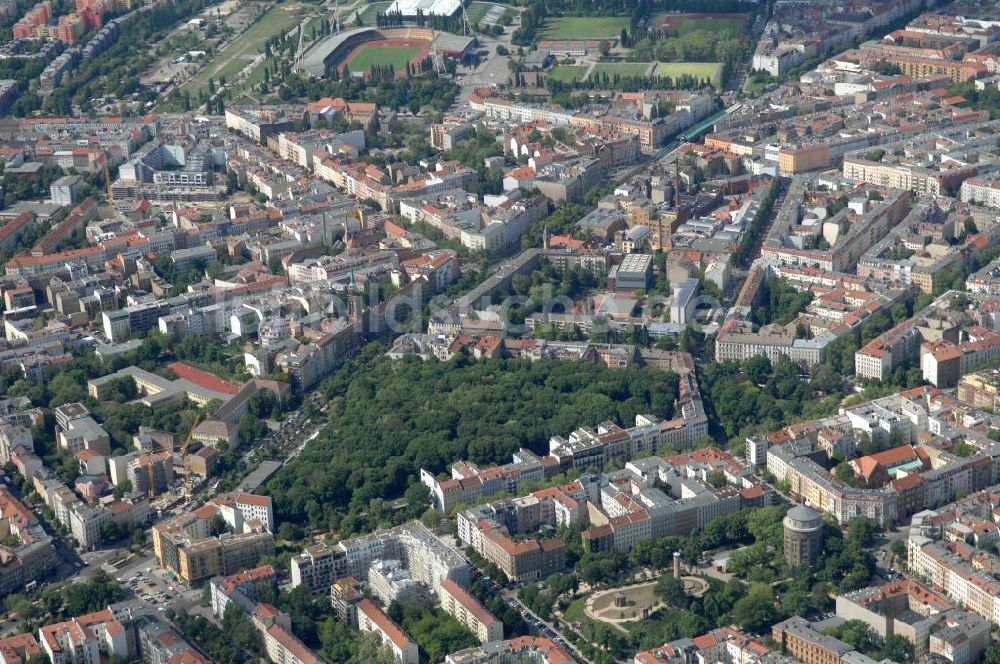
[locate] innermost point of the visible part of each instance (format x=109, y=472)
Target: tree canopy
x=390, y=418
x=755, y=396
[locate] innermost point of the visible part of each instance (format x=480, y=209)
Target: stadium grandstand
x=410, y=8
x=333, y=51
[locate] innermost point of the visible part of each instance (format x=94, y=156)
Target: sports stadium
x=355, y=52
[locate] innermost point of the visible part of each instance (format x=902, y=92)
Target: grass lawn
x=584, y=27
x=624, y=69
x=574, y=612
x=697, y=69
x=316, y=22
x=567, y=73
x=257, y=75
x=369, y=13
x=640, y=597
x=238, y=53
x=397, y=56
x=710, y=25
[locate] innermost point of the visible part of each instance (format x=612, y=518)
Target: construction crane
x=184, y=456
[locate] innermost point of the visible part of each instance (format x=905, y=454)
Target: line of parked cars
x=537, y=624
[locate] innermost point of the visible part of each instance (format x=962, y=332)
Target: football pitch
x=699, y=70
x=382, y=56
x=584, y=27
x=623, y=69
x=690, y=25
x=568, y=73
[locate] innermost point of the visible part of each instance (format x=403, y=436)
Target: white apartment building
x=456, y=601
x=240, y=508
x=982, y=192
x=372, y=619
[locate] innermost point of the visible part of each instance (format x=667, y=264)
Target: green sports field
x=690, y=25
x=383, y=56
x=699, y=70
x=584, y=27
x=568, y=73
x=623, y=69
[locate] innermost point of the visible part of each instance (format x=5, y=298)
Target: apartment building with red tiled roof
x=281, y=645
x=372, y=619
x=18, y=649
x=82, y=639
x=457, y=601
x=527, y=648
